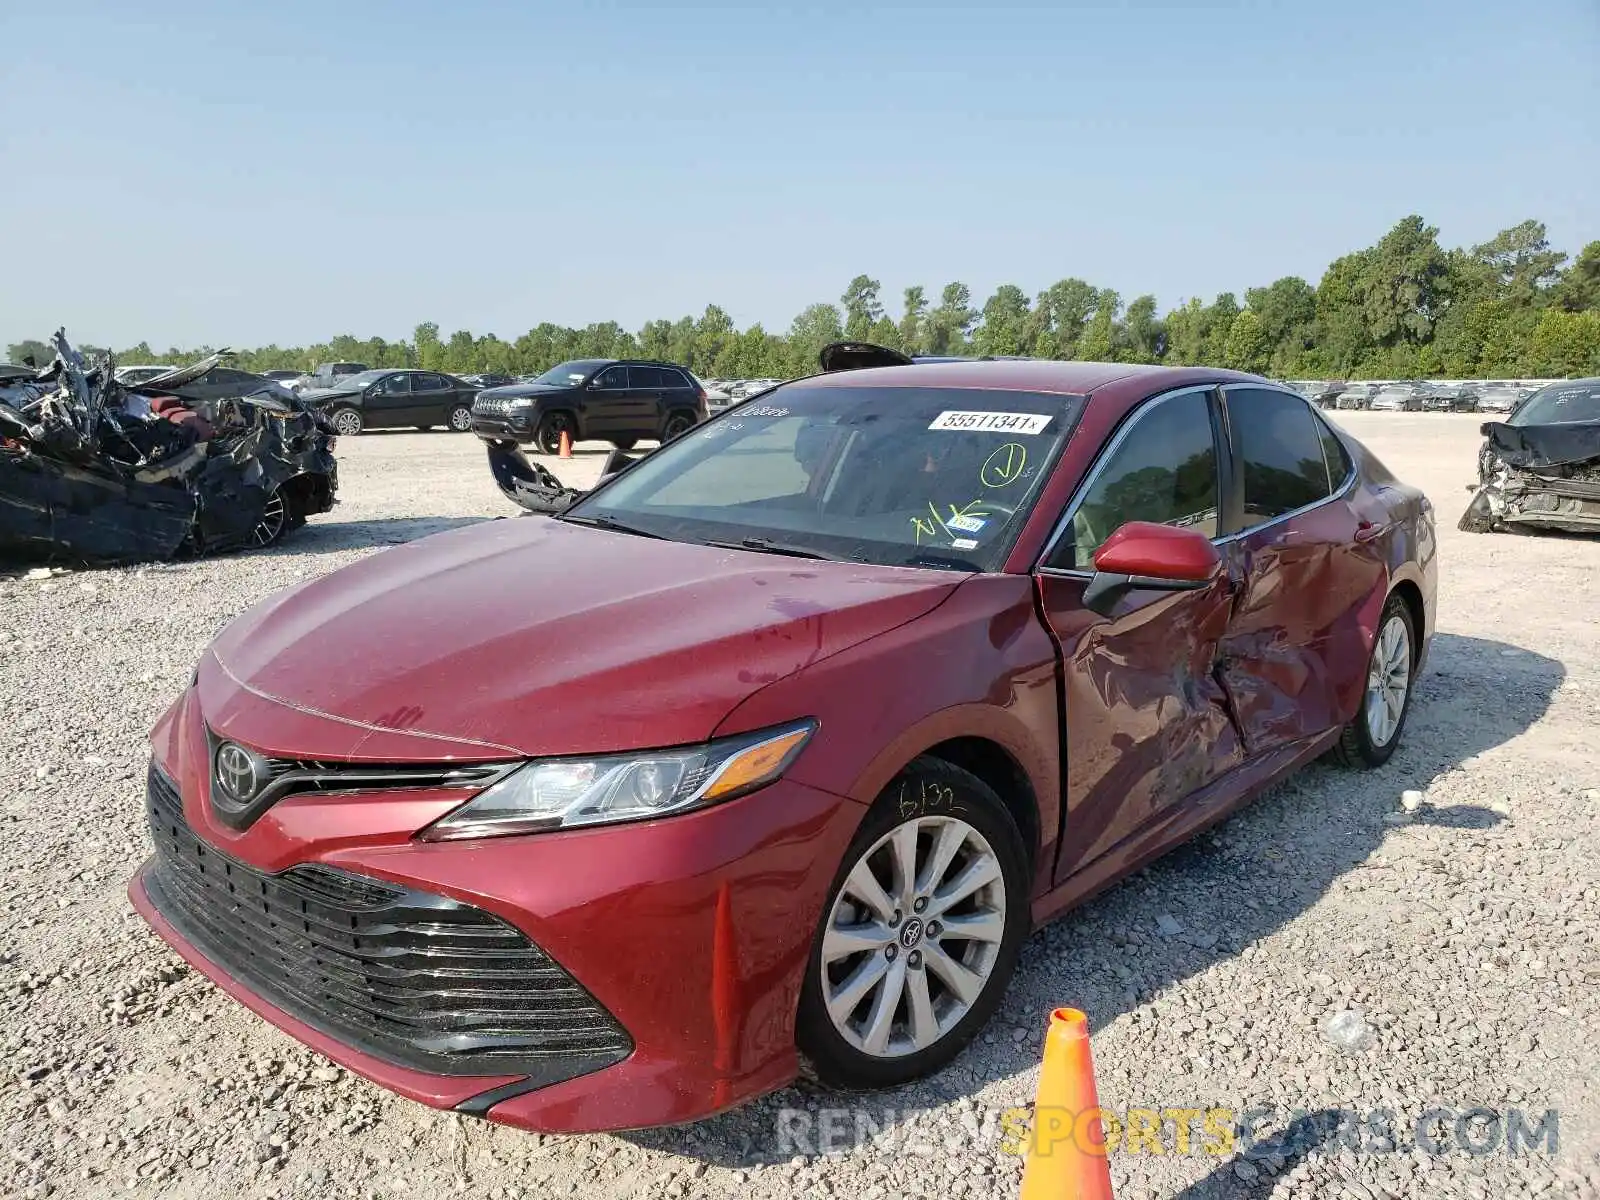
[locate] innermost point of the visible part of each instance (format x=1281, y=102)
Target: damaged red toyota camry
x=776, y=745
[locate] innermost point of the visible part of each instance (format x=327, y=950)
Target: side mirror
x=1144, y=556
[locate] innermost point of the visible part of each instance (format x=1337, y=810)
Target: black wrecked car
x=95, y=471
x=394, y=399
x=1540, y=467
x=621, y=401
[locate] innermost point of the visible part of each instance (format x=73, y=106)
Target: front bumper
x=506, y=425
x=692, y=934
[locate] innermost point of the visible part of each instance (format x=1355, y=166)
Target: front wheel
x=548, y=435
x=922, y=930
x=1369, y=740
x=279, y=515
x=461, y=418
x=347, y=422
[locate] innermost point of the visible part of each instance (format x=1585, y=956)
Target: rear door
x=1146, y=721
x=431, y=398
x=1313, y=581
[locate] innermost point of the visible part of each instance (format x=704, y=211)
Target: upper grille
x=413, y=978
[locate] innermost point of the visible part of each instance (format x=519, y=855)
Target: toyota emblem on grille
x=240, y=774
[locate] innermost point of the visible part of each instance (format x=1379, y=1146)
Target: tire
x=677, y=425
x=347, y=422
x=624, y=444
x=941, y=802
x=548, y=435
x=460, y=420
x=1369, y=740
x=282, y=514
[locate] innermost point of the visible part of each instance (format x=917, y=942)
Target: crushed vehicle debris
x=98, y=471
x=532, y=487
x=1540, y=469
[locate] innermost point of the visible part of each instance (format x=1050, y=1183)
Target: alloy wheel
x=461, y=419
x=273, y=519
x=913, y=936
x=347, y=422
x=1388, y=681
x=676, y=427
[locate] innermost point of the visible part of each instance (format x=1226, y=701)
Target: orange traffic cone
x=1067, y=1155
x=566, y=445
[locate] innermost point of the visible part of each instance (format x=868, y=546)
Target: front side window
x=905, y=476
x=612, y=378
x=1281, y=453
x=395, y=385
x=1164, y=470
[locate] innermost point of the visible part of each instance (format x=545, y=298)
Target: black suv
x=621, y=401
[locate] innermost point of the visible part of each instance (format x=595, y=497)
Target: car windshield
x=1561, y=404
x=568, y=373
x=902, y=476
x=361, y=379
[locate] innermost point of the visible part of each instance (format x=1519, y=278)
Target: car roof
x=1030, y=375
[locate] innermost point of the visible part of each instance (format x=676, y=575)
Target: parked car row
x=1415, y=395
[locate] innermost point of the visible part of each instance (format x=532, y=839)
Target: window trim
x=624, y=367
x=1337, y=493
x=1219, y=442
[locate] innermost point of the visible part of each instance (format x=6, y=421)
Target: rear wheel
x=347, y=422
x=921, y=931
x=1370, y=739
x=461, y=418
x=677, y=425
x=548, y=435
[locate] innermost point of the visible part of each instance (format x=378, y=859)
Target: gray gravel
x=1419, y=937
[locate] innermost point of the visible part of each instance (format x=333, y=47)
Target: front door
x=605, y=403
x=387, y=403
x=1146, y=719
x=1313, y=582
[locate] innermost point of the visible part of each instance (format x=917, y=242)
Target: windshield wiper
x=767, y=546
x=942, y=560
x=611, y=523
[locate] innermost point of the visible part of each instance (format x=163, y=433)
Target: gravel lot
x=1460, y=923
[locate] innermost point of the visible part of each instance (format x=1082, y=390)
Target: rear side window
x=1334, y=455
x=675, y=379
x=1163, y=470
x=648, y=377
x=428, y=383
x=1281, y=453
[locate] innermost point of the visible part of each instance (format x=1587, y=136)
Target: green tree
x=1248, y=348
x=1579, y=288
x=813, y=329
x=1100, y=335
x=1521, y=259
x=1005, y=322
x=1141, y=332
x=913, y=335
x=861, y=307
x=949, y=323
x=1404, y=284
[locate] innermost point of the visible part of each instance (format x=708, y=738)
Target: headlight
x=519, y=402
x=562, y=793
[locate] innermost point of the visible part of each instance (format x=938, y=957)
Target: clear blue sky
x=243, y=174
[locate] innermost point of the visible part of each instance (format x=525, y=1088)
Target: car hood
x=537, y=637
x=1567, y=444
x=524, y=389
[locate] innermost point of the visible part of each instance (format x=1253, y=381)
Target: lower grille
x=415, y=979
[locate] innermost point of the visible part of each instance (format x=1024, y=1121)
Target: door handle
x=1366, y=531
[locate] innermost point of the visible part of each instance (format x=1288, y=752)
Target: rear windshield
x=937, y=477
x=1561, y=404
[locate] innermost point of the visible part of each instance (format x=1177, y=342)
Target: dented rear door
x=1294, y=657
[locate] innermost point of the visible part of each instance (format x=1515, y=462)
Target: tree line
x=1404, y=307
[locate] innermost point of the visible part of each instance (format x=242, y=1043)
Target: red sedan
x=781, y=741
